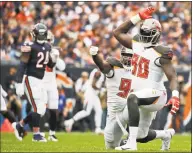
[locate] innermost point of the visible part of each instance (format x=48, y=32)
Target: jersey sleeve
x=164, y=51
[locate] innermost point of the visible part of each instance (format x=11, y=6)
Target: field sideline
x=83, y=142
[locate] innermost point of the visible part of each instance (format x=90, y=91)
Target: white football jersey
x=146, y=69
x=118, y=88
x=50, y=73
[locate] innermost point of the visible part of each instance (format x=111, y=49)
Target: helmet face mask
x=39, y=33
x=126, y=56
x=150, y=31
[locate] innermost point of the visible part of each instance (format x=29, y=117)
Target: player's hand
x=19, y=89
x=93, y=50
x=54, y=54
x=175, y=102
x=147, y=13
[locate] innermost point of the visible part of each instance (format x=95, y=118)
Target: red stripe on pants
x=30, y=94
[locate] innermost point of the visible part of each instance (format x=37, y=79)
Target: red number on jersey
x=140, y=66
x=124, y=87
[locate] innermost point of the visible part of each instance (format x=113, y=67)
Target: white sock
x=52, y=132
x=132, y=134
x=160, y=134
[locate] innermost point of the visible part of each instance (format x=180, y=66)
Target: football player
x=91, y=101
x=50, y=85
x=34, y=58
x=118, y=84
x=150, y=62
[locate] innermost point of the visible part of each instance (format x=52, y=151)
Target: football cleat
x=52, y=138
x=39, y=138
x=68, y=125
x=18, y=130
x=132, y=146
x=166, y=141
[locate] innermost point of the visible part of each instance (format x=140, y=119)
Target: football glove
x=147, y=13
x=93, y=50
x=19, y=89
x=54, y=54
x=175, y=102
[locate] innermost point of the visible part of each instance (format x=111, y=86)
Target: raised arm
x=102, y=65
x=121, y=32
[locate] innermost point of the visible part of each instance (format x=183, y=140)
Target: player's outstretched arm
x=172, y=77
x=121, y=32
x=102, y=65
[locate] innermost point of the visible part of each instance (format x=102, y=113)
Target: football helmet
x=50, y=37
x=126, y=56
x=149, y=32
x=39, y=33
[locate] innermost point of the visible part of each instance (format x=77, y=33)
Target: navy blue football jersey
x=39, y=58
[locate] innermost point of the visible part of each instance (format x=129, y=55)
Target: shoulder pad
x=114, y=62
x=164, y=51
x=26, y=47
x=136, y=38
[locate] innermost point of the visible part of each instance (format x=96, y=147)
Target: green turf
x=83, y=142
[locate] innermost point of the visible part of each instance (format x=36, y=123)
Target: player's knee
x=132, y=99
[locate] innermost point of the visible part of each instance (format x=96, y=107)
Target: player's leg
x=37, y=97
x=88, y=106
x=148, y=99
x=6, y=113
x=52, y=107
x=98, y=114
x=133, y=113
x=112, y=133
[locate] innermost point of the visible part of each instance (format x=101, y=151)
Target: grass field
x=83, y=142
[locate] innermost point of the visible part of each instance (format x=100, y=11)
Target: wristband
x=135, y=19
x=175, y=93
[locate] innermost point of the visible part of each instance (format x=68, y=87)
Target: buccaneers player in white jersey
x=91, y=101
x=150, y=62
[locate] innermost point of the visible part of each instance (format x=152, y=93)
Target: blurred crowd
x=77, y=25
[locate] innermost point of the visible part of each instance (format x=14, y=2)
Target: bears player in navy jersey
x=34, y=58
x=150, y=62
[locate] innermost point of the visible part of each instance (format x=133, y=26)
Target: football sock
x=160, y=134
x=10, y=116
x=52, y=119
x=151, y=136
